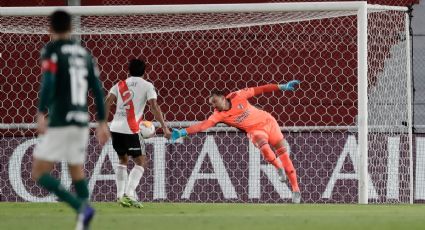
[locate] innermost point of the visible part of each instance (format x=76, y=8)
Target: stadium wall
x=227, y=168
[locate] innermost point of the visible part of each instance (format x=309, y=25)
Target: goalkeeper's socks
x=270, y=156
x=53, y=185
x=289, y=168
x=121, y=179
x=133, y=180
x=82, y=190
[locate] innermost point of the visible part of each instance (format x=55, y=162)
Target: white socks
x=133, y=181
x=121, y=180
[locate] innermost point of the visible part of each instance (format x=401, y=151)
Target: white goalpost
x=348, y=127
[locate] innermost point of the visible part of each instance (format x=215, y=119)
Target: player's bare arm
x=109, y=101
x=156, y=110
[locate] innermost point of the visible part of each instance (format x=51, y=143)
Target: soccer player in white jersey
x=130, y=96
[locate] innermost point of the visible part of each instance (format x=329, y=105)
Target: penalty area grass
x=205, y=216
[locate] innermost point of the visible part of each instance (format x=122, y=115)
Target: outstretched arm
x=250, y=92
x=201, y=126
x=265, y=89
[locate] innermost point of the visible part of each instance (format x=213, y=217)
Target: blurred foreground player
x=68, y=72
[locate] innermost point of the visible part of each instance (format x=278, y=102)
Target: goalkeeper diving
x=261, y=127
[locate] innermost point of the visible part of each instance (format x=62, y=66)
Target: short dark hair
x=137, y=67
x=60, y=21
x=216, y=92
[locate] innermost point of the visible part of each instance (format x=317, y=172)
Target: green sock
x=82, y=190
x=53, y=185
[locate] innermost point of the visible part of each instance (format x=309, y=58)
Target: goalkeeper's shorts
x=267, y=130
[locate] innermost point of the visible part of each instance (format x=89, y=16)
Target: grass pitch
x=176, y=216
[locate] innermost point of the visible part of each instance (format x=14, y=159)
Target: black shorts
x=130, y=144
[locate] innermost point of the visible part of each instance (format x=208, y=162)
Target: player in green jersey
x=68, y=73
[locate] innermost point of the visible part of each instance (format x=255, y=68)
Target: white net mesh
x=187, y=56
x=139, y=24
x=389, y=159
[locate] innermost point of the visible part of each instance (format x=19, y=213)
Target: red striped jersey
x=132, y=95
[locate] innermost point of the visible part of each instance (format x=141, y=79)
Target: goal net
x=346, y=127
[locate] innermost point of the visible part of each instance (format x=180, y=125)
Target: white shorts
x=67, y=144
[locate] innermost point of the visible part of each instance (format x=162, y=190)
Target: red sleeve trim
x=49, y=66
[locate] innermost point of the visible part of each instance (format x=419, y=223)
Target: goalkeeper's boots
x=296, y=197
x=124, y=201
x=84, y=218
x=282, y=175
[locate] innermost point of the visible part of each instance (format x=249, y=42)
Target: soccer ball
x=147, y=129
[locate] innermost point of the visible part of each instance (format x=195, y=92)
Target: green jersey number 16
x=78, y=72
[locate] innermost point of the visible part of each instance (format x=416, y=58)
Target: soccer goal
x=348, y=127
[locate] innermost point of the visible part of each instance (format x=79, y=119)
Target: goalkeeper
x=261, y=127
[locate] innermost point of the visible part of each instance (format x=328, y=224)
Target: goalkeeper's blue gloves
x=177, y=133
x=290, y=86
